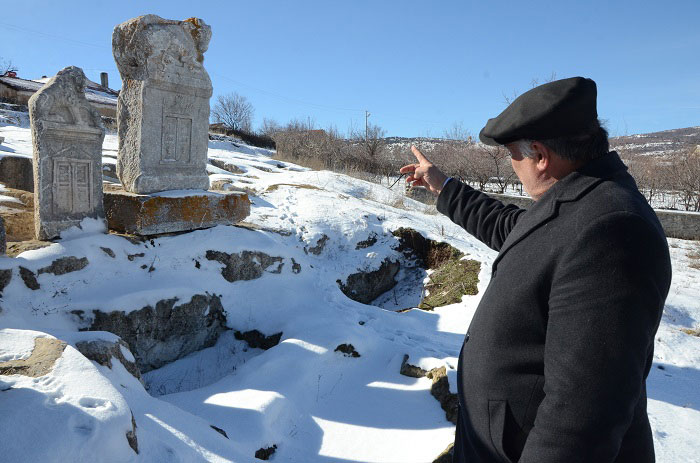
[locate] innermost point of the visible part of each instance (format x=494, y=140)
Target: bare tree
x=6, y=66
x=269, y=127
x=458, y=132
x=372, y=140
x=686, y=170
x=234, y=111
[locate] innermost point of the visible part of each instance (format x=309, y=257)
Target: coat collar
x=570, y=188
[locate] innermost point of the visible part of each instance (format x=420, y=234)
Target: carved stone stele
x=67, y=135
x=163, y=107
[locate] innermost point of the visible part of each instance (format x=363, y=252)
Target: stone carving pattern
x=67, y=135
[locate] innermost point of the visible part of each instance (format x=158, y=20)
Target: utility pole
x=367, y=114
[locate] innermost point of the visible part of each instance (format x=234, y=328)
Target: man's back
x=554, y=363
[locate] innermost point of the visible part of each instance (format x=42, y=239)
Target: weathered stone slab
x=17, y=210
x=169, y=212
x=67, y=135
x=3, y=242
x=17, y=172
x=163, y=107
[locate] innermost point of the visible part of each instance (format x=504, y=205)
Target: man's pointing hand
x=424, y=173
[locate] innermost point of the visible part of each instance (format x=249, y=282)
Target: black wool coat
x=554, y=363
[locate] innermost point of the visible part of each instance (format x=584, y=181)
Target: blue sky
x=419, y=67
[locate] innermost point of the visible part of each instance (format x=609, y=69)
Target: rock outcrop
x=40, y=362
x=103, y=351
x=160, y=334
x=246, y=265
x=366, y=286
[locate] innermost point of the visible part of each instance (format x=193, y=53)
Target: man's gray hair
x=525, y=148
x=574, y=148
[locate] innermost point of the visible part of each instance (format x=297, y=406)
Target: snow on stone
x=313, y=403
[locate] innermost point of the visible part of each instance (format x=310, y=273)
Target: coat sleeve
x=487, y=219
x=605, y=303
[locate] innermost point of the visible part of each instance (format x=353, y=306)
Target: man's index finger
x=418, y=154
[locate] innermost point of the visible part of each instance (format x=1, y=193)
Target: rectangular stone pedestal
x=173, y=211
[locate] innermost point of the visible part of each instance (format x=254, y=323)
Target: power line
x=53, y=36
x=286, y=98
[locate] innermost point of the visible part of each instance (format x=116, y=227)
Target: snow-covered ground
x=314, y=404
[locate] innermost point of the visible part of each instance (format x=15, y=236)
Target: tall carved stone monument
x=163, y=107
x=67, y=135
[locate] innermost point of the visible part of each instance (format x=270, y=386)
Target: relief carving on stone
x=67, y=135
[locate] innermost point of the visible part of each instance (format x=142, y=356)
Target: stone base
x=16, y=171
x=173, y=211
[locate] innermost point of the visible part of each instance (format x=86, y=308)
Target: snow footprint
x=93, y=402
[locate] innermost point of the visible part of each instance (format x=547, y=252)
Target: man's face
x=525, y=168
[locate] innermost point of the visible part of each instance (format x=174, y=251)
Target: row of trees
x=671, y=181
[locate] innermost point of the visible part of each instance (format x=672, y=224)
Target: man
x=554, y=363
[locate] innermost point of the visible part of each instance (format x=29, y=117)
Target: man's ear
x=542, y=156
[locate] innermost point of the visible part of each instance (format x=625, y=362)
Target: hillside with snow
x=300, y=372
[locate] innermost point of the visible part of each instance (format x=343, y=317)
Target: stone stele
x=163, y=107
x=67, y=135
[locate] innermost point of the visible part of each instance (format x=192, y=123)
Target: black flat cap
x=561, y=108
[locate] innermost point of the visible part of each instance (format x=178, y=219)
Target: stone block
x=173, y=211
x=17, y=210
x=17, y=172
x=67, y=135
x=163, y=107
x=3, y=242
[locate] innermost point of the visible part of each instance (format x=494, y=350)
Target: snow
x=313, y=403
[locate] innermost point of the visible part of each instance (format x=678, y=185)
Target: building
x=16, y=90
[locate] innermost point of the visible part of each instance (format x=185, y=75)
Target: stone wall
x=677, y=224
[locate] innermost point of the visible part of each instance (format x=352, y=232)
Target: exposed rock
x=440, y=388
x=296, y=267
x=431, y=253
x=229, y=166
x=155, y=214
x=441, y=391
x=320, y=244
x=29, y=278
x=411, y=370
x=164, y=333
x=452, y=278
x=131, y=436
x=67, y=135
x=65, y=265
x=5, y=278
x=40, y=362
x=247, y=265
x=219, y=430
x=163, y=107
x=16, y=248
x=365, y=287
x=131, y=257
x=257, y=340
x=348, y=350
x=18, y=214
x=265, y=453
x=102, y=352
x=370, y=241
x=3, y=242
x=16, y=172
x=447, y=455
x=108, y=251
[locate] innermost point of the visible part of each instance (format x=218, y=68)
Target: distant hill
x=656, y=143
